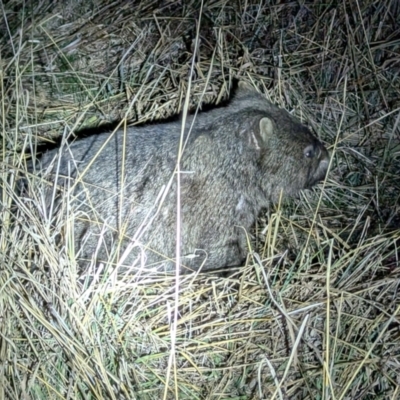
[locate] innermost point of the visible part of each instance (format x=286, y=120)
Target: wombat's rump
x=122, y=188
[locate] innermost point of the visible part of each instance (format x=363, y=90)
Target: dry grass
x=315, y=312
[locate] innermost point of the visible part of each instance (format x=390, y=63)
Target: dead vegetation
x=315, y=312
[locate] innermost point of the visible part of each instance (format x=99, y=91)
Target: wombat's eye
x=309, y=151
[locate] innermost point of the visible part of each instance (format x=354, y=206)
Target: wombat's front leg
x=232, y=253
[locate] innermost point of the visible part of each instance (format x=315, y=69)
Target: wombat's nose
x=323, y=165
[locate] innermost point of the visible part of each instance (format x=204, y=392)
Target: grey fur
x=237, y=160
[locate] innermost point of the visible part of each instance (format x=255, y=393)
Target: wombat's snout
x=322, y=158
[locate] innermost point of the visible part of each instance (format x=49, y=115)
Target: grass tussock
x=314, y=313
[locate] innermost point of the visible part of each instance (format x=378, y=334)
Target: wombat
x=235, y=160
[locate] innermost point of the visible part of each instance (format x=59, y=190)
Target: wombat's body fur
x=237, y=160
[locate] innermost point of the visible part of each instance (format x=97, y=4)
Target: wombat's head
x=291, y=158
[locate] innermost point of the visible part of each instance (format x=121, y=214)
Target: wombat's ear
x=260, y=139
x=266, y=129
x=244, y=86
